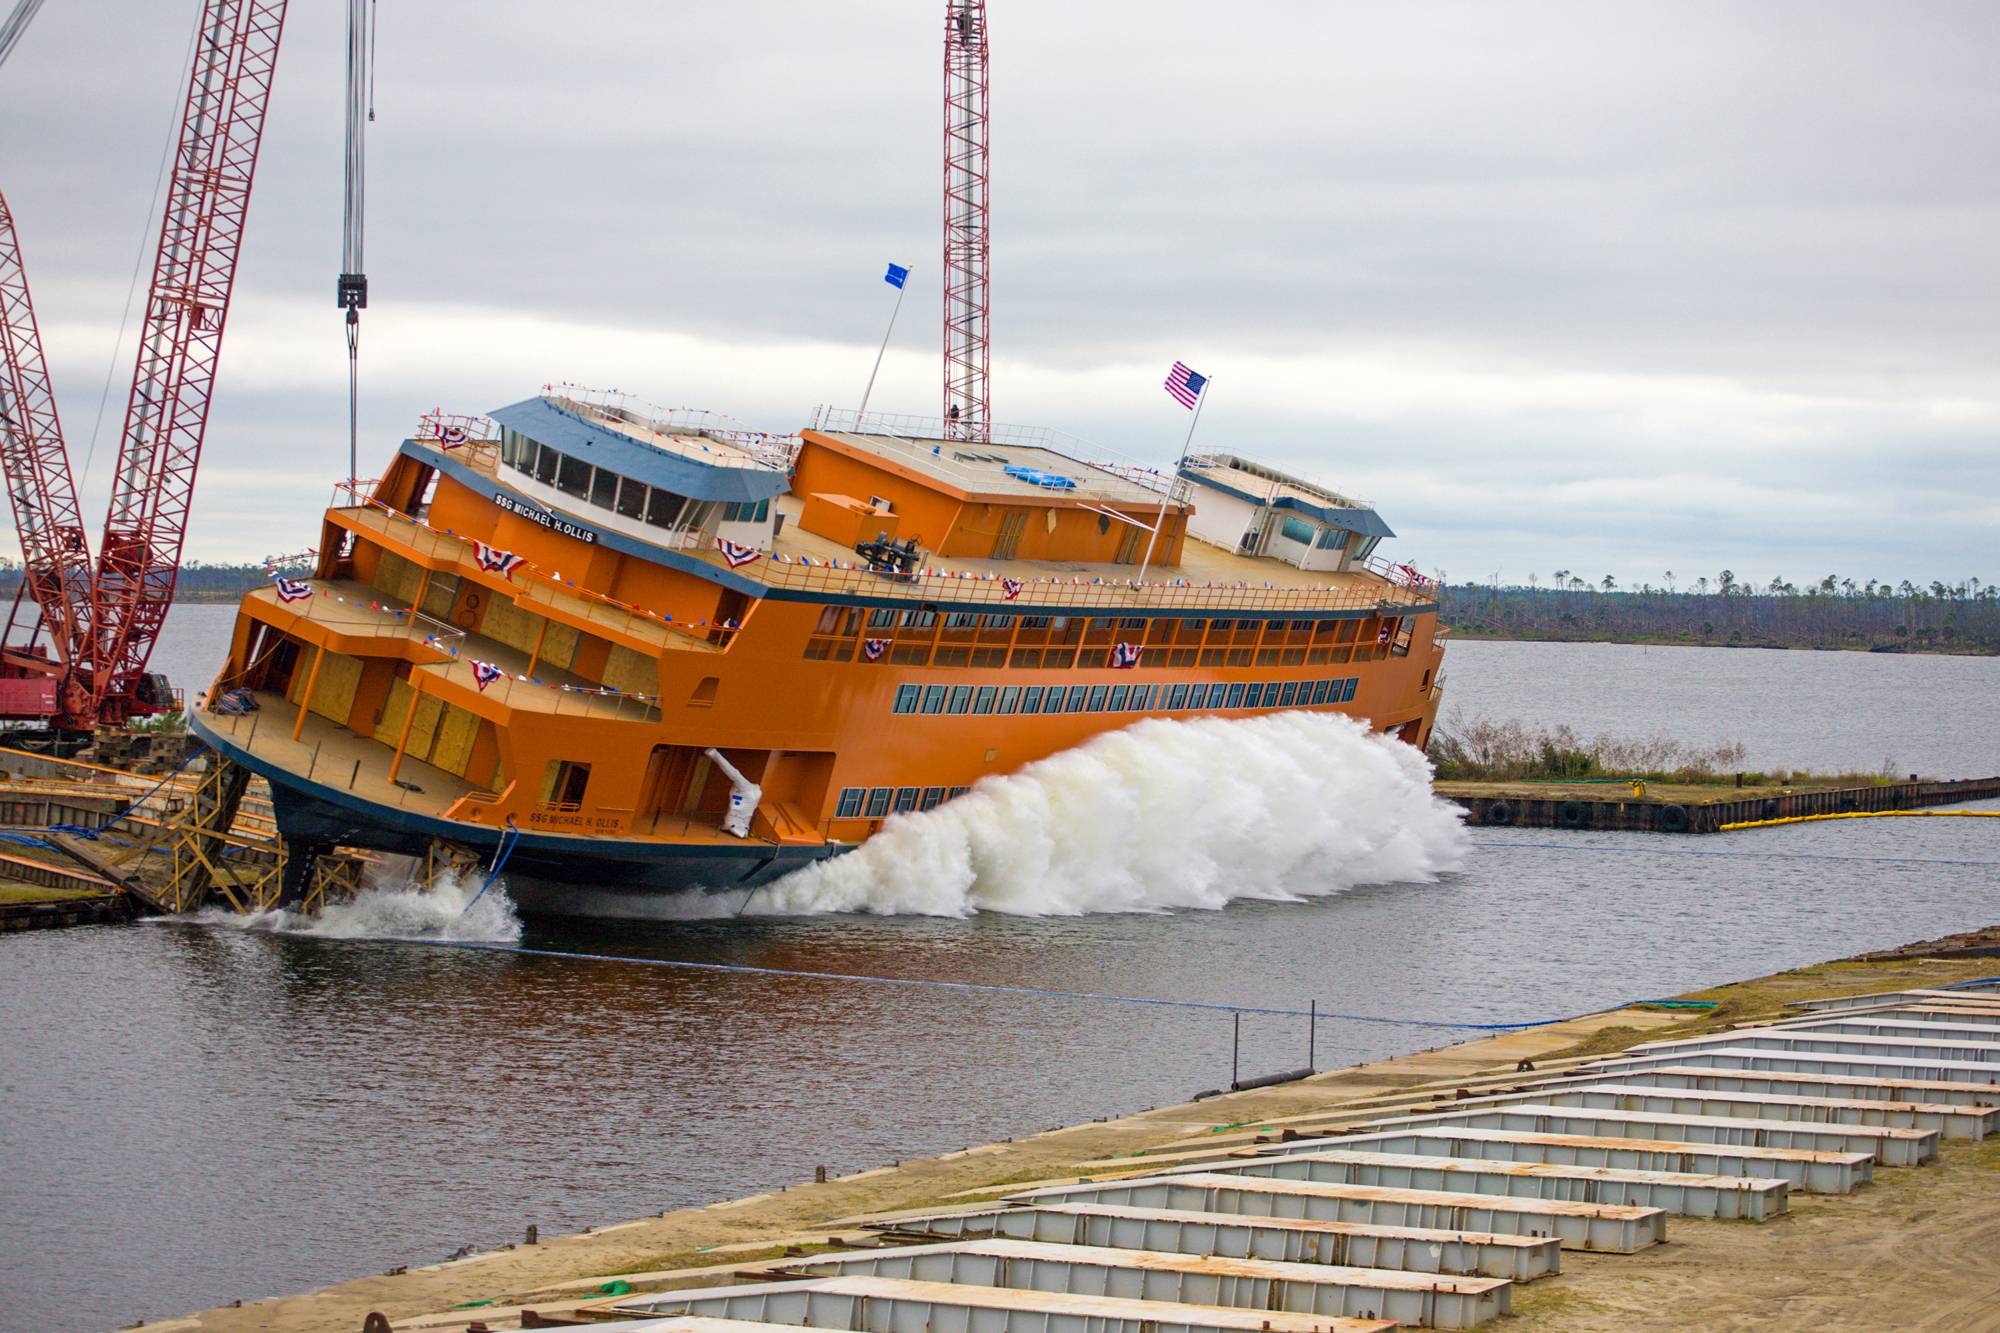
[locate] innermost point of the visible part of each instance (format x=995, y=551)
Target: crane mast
x=36, y=465
x=194, y=270
x=967, y=397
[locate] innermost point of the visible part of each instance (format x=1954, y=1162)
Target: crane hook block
x=352, y=294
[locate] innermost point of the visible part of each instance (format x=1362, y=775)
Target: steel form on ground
x=1814, y=1172
x=894, y=1305
x=1286, y=1239
x=1967, y=1049
x=1954, y=1122
x=1179, y=1279
x=1978, y=1076
x=1685, y=1195
x=1956, y=995
x=1853, y=1086
x=1890, y=1147
x=1617, y=1228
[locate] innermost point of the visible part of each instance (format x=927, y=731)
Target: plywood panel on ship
x=390, y=729
x=509, y=624
x=398, y=577
x=456, y=731
x=632, y=672
x=301, y=673
x=424, y=727
x=333, y=692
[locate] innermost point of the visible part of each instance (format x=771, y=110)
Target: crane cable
x=352, y=290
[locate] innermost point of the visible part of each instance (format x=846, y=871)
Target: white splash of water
x=392, y=905
x=1164, y=814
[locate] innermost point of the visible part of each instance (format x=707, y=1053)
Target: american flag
x=1010, y=588
x=293, y=590
x=873, y=649
x=497, y=561
x=1125, y=655
x=737, y=555
x=1185, y=385
x=484, y=674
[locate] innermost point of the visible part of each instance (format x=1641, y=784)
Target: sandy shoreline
x=1920, y=1249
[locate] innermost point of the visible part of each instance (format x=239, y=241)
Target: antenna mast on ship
x=967, y=398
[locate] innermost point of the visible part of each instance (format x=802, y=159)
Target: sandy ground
x=1920, y=1249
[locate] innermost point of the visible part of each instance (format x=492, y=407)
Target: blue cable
x=744, y=969
x=507, y=842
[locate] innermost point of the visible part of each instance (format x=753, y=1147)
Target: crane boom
x=36, y=465
x=194, y=270
x=967, y=398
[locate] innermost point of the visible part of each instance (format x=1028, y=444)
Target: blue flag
x=897, y=275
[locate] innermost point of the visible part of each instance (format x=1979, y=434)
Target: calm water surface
x=196, y=1114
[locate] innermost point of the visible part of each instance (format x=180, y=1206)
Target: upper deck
x=1016, y=522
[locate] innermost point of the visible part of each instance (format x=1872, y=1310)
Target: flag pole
x=1175, y=480
x=883, y=348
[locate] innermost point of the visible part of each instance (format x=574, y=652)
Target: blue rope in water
x=744, y=969
x=508, y=840
x=1746, y=856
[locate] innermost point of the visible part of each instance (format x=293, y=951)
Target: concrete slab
x=1929, y=1091
x=1971, y=1123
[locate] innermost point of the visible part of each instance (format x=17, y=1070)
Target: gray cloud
x=1624, y=286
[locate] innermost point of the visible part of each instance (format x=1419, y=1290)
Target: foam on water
x=1163, y=814
x=391, y=906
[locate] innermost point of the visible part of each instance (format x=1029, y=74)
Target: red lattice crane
x=967, y=397
x=106, y=637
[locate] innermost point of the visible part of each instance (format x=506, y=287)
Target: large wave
x=1163, y=814
x=392, y=906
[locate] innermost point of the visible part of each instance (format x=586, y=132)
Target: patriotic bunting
x=484, y=674
x=737, y=556
x=873, y=650
x=293, y=590
x=452, y=437
x=495, y=561
x=1125, y=655
x=1010, y=588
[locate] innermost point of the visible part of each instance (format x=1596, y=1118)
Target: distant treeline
x=1832, y=613
x=198, y=582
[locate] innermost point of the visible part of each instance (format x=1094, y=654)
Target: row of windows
x=1004, y=699
x=1308, y=534
x=622, y=495
x=876, y=802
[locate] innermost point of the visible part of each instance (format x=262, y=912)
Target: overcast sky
x=1611, y=288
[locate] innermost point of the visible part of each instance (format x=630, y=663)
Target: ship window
x=1052, y=702
x=564, y=783
x=1347, y=695
x=663, y=508
x=982, y=702
x=1290, y=695
x=1142, y=698
x=1078, y=694
x=956, y=792
x=1216, y=694
x=510, y=447
x=1010, y=699
x=1367, y=548
x=880, y=617
x=933, y=798
x=934, y=697
x=1298, y=530
x=1319, y=691
x=1132, y=622
x=631, y=498
x=1331, y=539
x=1035, y=622
x=573, y=477
x=545, y=464
x=961, y=698
x=1253, y=695
x=878, y=801
x=1234, y=699
x=604, y=489
x=906, y=698
x=997, y=622
x=907, y=798
x=1177, y=697
x=1031, y=699
x=1118, y=697
x=850, y=803
x=1097, y=695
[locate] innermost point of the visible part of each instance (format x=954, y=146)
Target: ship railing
x=1134, y=596
x=772, y=449
x=1402, y=575
x=475, y=807
x=332, y=610
x=453, y=429
x=540, y=585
